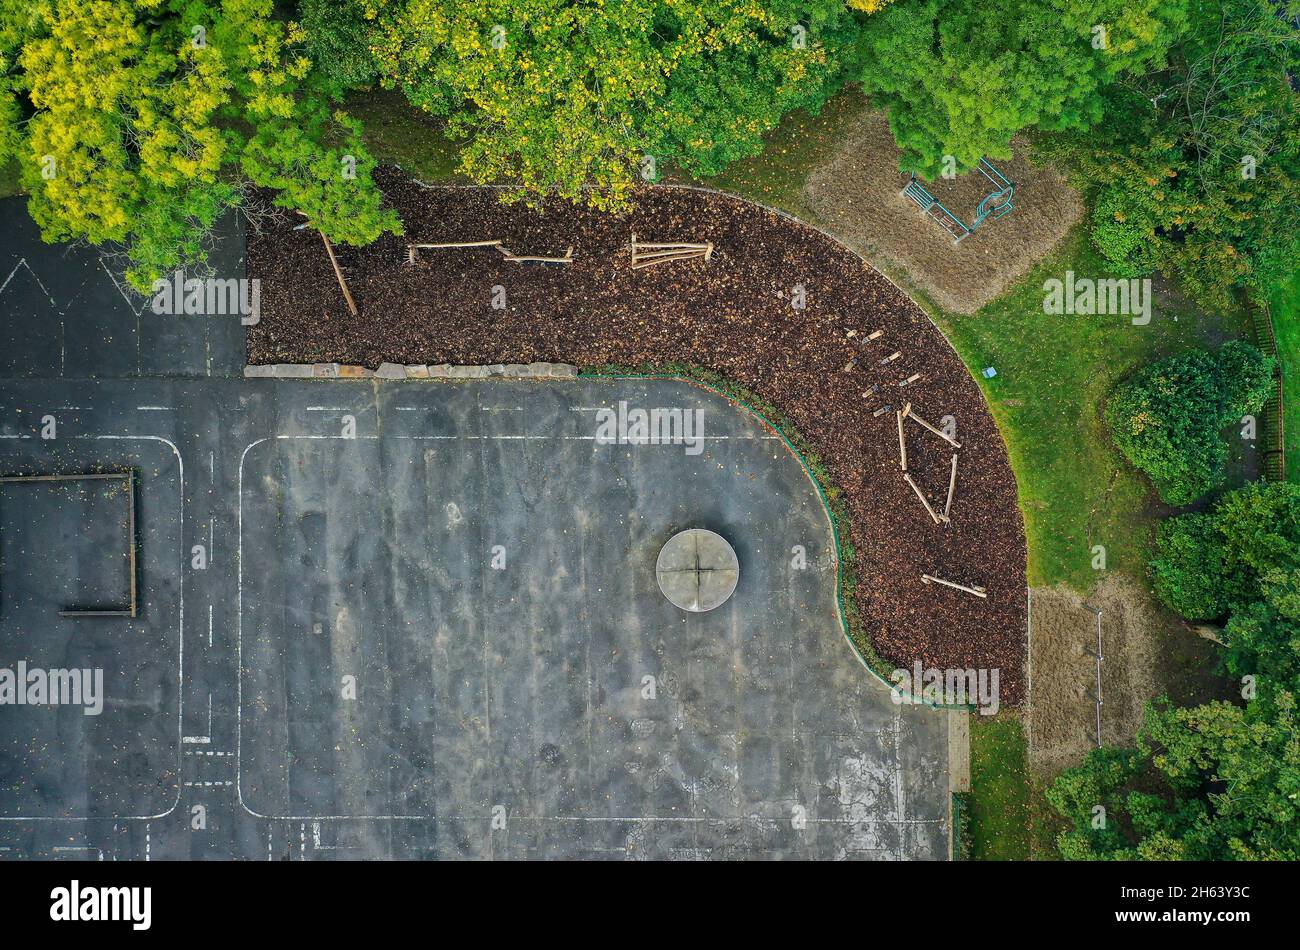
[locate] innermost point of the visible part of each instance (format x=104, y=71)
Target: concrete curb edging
x=392, y=371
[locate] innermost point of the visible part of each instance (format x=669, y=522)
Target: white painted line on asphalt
x=134, y=309
x=67, y=847
x=239, y=648
x=180, y=645
x=22, y=262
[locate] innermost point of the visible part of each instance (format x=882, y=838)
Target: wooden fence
x=1272, y=430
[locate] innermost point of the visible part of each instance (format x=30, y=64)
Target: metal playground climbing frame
x=996, y=203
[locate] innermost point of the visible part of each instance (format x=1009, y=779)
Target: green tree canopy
x=1245, y=550
x=144, y=119
x=1196, y=171
x=557, y=96
x=960, y=77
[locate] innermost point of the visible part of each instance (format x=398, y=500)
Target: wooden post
x=976, y=591
x=952, y=486
x=917, y=488
x=458, y=244
x=338, y=272
x=953, y=442
x=902, y=444
x=412, y=248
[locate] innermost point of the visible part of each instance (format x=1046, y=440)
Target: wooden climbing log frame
x=648, y=253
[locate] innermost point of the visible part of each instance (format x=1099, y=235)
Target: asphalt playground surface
x=413, y=619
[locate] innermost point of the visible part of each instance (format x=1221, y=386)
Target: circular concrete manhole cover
x=697, y=570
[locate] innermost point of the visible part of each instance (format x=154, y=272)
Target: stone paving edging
x=398, y=371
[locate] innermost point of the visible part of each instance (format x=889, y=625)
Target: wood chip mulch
x=734, y=315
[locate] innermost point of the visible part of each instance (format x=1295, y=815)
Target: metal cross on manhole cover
x=697, y=570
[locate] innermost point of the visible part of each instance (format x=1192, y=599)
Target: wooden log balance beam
x=974, y=591
x=531, y=259
x=412, y=248
x=505, y=252
x=338, y=273
x=334, y=262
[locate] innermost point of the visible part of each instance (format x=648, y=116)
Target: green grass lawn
x=791, y=151
x=398, y=133
x=1054, y=372
x=999, y=812
x=1284, y=307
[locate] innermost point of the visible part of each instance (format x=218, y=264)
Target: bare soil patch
x=857, y=194
x=1147, y=650
x=732, y=315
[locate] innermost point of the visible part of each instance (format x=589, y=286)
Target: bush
x=1167, y=419
x=1123, y=242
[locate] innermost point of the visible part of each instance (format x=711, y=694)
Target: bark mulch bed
x=732, y=315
